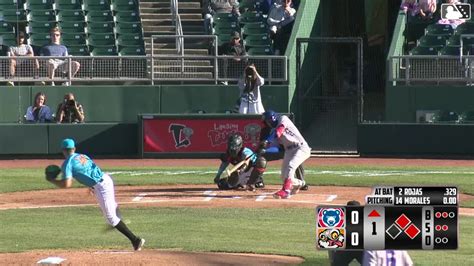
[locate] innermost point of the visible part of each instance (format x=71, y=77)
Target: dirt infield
x=147, y=257
x=196, y=196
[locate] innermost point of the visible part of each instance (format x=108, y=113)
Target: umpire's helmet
x=234, y=144
x=270, y=118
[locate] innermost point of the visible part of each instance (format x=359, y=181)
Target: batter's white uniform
x=386, y=258
x=297, y=149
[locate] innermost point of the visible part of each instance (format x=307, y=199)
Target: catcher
x=249, y=175
x=86, y=172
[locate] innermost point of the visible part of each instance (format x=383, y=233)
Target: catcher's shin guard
x=256, y=177
x=299, y=174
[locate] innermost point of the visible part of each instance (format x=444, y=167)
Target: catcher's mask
x=234, y=144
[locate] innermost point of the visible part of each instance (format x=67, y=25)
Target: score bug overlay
x=424, y=218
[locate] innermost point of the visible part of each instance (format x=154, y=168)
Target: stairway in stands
x=157, y=19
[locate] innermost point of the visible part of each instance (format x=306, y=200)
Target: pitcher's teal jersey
x=82, y=168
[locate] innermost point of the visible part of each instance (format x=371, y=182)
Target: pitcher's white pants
x=105, y=195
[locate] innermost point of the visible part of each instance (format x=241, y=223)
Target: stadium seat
x=103, y=51
x=78, y=50
x=451, y=50
x=257, y=41
x=39, y=39
x=100, y=16
x=72, y=27
x=39, y=27
x=421, y=50
x=73, y=38
x=439, y=29
x=42, y=15
x=124, y=5
x=6, y=28
x=432, y=41
x=248, y=5
x=8, y=39
x=131, y=50
x=102, y=27
x=465, y=28
x=71, y=16
x=101, y=39
x=255, y=29
x=260, y=51
x=127, y=16
x=226, y=29
x=13, y=16
x=444, y=116
x=251, y=17
x=130, y=40
x=128, y=28
x=11, y=5
x=70, y=5
x=466, y=117
x=225, y=18
x=39, y=5
x=96, y=5
x=453, y=40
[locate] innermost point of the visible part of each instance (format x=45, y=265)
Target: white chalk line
x=346, y=173
x=140, y=197
x=210, y=195
x=331, y=198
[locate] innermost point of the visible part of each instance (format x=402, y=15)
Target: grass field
x=289, y=231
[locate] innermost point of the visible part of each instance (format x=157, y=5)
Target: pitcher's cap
x=68, y=144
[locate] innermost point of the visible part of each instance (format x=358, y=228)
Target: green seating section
x=87, y=26
x=439, y=39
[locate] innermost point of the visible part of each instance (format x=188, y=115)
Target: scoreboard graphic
x=393, y=218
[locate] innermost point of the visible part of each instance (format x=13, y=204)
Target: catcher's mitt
x=52, y=171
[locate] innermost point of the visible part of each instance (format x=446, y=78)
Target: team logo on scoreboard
x=331, y=217
x=331, y=238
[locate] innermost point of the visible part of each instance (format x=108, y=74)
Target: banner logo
x=181, y=135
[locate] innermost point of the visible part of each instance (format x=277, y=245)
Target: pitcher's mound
x=147, y=257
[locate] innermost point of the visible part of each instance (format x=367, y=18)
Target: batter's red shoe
x=285, y=192
x=282, y=194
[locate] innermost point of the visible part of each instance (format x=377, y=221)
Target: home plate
x=51, y=260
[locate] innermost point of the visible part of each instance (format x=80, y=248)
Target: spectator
x=250, y=98
x=70, y=111
x=39, y=112
x=281, y=19
x=386, y=258
x=21, y=50
x=410, y=7
x=236, y=49
x=427, y=9
x=55, y=48
x=345, y=257
x=212, y=7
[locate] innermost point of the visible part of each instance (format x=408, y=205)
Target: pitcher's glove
x=52, y=172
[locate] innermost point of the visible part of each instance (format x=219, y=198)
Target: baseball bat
x=228, y=172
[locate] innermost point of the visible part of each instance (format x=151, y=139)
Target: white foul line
x=331, y=198
x=262, y=197
x=139, y=197
x=209, y=194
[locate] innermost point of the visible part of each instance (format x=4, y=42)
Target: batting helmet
x=234, y=144
x=270, y=118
